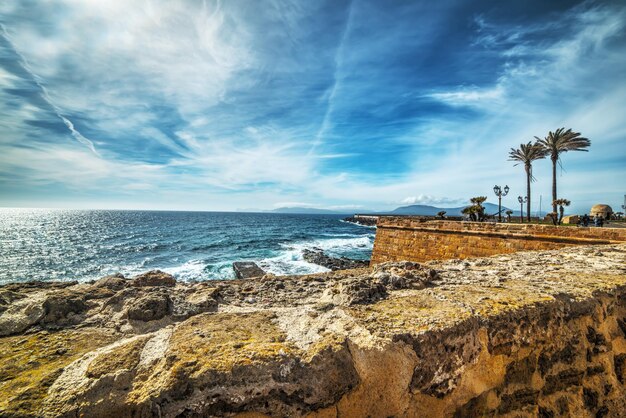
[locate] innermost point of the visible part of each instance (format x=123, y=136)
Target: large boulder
x=114, y=282
x=317, y=256
x=370, y=288
x=150, y=307
x=247, y=270
x=59, y=306
x=20, y=316
x=154, y=278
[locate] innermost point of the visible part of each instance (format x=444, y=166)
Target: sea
x=53, y=244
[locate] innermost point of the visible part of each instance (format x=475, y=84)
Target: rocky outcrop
x=522, y=335
x=153, y=278
x=317, y=256
x=247, y=269
x=363, y=220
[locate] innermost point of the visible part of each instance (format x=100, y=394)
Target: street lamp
x=521, y=201
x=499, y=192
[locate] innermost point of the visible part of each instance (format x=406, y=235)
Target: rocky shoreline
x=317, y=256
x=362, y=220
x=250, y=269
x=405, y=339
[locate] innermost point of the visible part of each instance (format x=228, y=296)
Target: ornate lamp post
x=499, y=192
x=521, y=201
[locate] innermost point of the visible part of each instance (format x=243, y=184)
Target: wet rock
x=317, y=256
x=154, y=278
x=247, y=270
x=362, y=220
x=150, y=307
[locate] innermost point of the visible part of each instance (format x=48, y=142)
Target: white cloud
x=430, y=200
x=470, y=95
x=138, y=63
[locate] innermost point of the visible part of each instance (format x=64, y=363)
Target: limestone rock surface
x=520, y=335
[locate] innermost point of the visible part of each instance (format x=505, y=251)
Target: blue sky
x=339, y=104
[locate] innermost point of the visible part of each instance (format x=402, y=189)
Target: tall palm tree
x=526, y=154
x=558, y=142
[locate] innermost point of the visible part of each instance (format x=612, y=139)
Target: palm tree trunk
x=528, y=192
x=554, y=161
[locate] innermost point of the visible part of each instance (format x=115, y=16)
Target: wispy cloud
x=211, y=105
x=44, y=92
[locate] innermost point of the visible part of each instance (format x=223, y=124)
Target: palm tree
x=558, y=142
x=554, y=217
x=509, y=212
x=471, y=212
x=441, y=214
x=561, y=203
x=526, y=154
x=480, y=209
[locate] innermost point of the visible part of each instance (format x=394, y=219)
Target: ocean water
x=41, y=244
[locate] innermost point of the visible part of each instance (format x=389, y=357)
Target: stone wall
x=415, y=239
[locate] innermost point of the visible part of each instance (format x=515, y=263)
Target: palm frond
x=561, y=141
x=526, y=154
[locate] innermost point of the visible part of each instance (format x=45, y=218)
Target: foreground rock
x=317, y=256
x=522, y=335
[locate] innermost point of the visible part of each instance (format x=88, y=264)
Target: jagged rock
x=149, y=307
x=60, y=305
x=362, y=220
x=154, y=278
x=377, y=285
x=247, y=270
x=21, y=315
x=317, y=256
x=404, y=274
x=115, y=282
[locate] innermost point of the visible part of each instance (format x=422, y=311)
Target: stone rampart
x=415, y=239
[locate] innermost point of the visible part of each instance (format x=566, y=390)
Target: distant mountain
x=426, y=210
x=421, y=210
x=308, y=211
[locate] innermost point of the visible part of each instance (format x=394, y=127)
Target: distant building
x=601, y=210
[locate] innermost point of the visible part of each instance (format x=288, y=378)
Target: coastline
x=147, y=344
x=192, y=246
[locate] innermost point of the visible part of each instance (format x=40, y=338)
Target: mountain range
x=423, y=210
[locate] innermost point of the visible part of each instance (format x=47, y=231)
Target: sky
x=350, y=105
